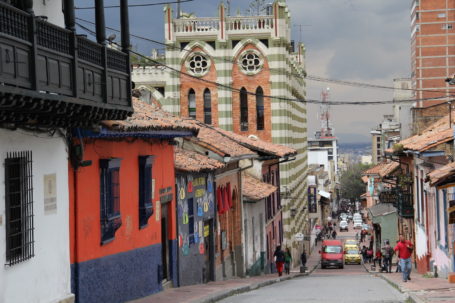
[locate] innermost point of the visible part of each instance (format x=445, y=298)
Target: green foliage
x=351, y=184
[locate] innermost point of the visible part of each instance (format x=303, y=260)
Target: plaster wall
x=46, y=276
x=53, y=9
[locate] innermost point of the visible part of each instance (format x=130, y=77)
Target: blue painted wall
x=119, y=278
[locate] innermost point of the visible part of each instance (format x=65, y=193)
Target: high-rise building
x=225, y=69
x=433, y=58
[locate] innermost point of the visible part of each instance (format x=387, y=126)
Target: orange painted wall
x=251, y=83
x=128, y=236
x=186, y=83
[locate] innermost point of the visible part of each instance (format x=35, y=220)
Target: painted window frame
x=19, y=224
x=146, y=188
x=243, y=109
x=207, y=96
x=190, y=220
x=110, y=216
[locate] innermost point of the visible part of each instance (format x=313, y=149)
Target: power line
x=308, y=77
x=137, y=5
x=311, y=101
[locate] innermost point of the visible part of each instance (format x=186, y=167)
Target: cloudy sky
x=354, y=40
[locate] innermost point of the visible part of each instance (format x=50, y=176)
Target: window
x=243, y=110
x=110, y=199
x=145, y=190
x=192, y=104
x=191, y=220
x=250, y=62
x=447, y=26
x=19, y=207
x=207, y=107
x=259, y=108
x=442, y=15
x=197, y=64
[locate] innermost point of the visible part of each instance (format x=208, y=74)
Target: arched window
x=259, y=108
x=243, y=110
x=192, y=104
x=207, y=106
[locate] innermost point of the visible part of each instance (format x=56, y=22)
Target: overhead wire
x=307, y=77
x=311, y=101
x=136, y=5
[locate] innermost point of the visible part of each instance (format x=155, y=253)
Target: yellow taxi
x=350, y=242
x=352, y=254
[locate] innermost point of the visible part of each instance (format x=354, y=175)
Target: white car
x=357, y=216
x=358, y=224
x=344, y=226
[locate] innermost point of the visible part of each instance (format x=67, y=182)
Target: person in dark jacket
x=303, y=258
x=279, y=260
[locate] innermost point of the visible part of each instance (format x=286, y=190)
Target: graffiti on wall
x=195, y=204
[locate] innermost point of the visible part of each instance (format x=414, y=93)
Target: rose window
x=198, y=64
x=251, y=62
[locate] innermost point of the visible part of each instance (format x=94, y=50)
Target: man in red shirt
x=404, y=249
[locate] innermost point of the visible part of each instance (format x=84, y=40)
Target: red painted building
x=122, y=206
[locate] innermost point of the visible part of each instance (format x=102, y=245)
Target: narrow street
x=351, y=284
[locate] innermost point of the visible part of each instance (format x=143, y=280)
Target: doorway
x=164, y=243
x=208, y=274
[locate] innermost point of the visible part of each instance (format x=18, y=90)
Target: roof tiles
x=254, y=189
x=191, y=161
x=382, y=169
x=440, y=175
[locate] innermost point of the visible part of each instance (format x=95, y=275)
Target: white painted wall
x=255, y=237
x=320, y=157
x=52, y=9
x=45, y=277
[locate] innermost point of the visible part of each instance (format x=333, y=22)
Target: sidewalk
x=420, y=289
x=215, y=291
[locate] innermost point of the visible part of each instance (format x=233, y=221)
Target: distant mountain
x=349, y=138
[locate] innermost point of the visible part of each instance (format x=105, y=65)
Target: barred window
x=110, y=199
x=19, y=207
x=145, y=190
x=192, y=103
x=243, y=109
x=207, y=106
x=259, y=108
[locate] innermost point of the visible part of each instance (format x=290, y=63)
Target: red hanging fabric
x=219, y=200
x=226, y=199
x=229, y=194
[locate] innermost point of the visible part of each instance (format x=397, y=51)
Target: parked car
x=332, y=254
x=357, y=216
x=357, y=224
x=344, y=226
x=348, y=242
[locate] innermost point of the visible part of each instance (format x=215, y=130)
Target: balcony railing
x=233, y=24
x=42, y=61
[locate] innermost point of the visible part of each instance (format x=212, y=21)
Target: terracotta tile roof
x=437, y=133
x=191, y=161
x=440, y=175
x=146, y=118
x=254, y=189
x=259, y=145
x=209, y=137
x=382, y=169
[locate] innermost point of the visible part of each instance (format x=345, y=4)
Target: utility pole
x=300, y=27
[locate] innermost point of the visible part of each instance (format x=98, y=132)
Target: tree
x=351, y=184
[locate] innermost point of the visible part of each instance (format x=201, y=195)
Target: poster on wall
x=50, y=194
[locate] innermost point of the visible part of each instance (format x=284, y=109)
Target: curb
x=243, y=289
x=412, y=298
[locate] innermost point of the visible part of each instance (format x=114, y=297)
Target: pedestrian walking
x=334, y=234
x=279, y=260
x=405, y=248
x=378, y=258
x=287, y=261
x=388, y=254
x=370, y=254
x=364, y=254
x=303, y=258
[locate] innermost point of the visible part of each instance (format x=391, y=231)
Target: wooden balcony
x=49, y=76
